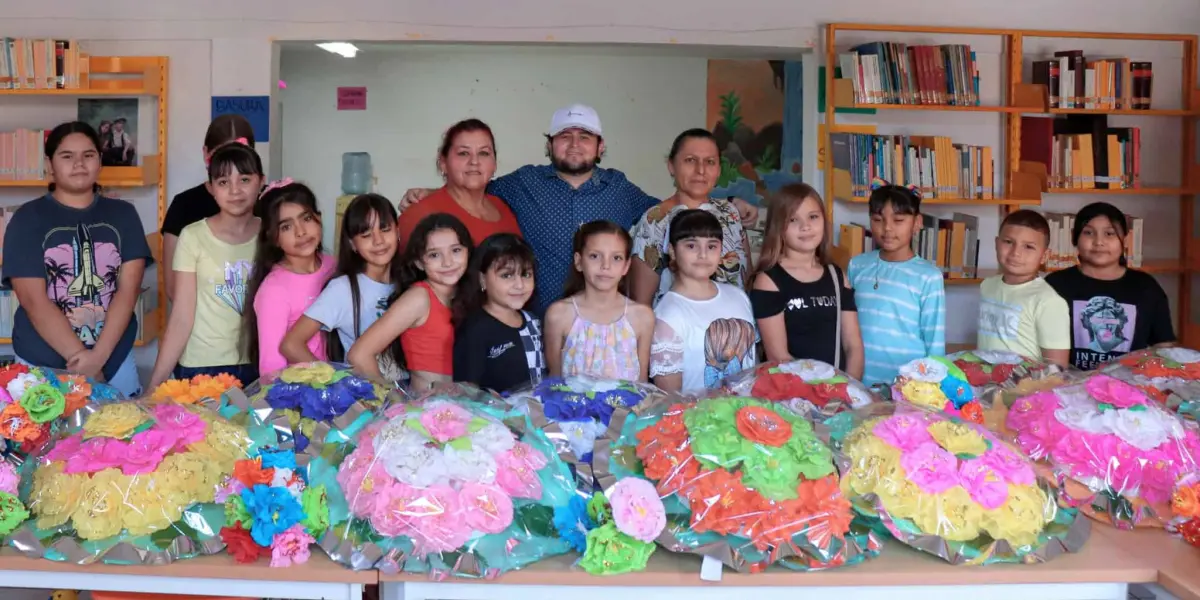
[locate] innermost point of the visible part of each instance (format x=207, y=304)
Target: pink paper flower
x=397, y=507
x=65, y=448
x=440, y=527
x=1012, y=467
x=1027, y=409
x=515, y=477
x=637, y=510
x=486, y=508
x=232, y=487
x=9, y=480
x=290, y=547
x=983, y=484
x=1107, y=390
x=361, y=476
x=903, y=431
x=187, y=427
x=445, y=421
x=931, y=467
x=5, y=397
x=145, y=450
x=523, y=453
x=94, y=455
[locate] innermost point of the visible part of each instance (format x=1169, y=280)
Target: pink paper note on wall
x=352, y=98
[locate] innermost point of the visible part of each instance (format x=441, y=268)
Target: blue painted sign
x=256, y=109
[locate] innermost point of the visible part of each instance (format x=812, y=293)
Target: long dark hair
x=60, y=133
x=1102, y=209
x=234, y=156
x=408, y=274
x=267, y=253
x=364, y=211
x=499, y=251
x=575, y=282
x=228, y=128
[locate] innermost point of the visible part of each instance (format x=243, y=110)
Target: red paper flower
x=778, y=387
x=239, y=543
x=9, y=373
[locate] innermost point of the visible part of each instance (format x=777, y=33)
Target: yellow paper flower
x=115, y=421
x=98, y=514
x=870, y=458
x=312, y=373
x=195, y=476
x=951, y=515
x=226, y=442
x=958, y=438
x=54, y=494
x=149, y=507
x=923, y=393
x=901, y=497
x=173, y=390
x=1023, y=516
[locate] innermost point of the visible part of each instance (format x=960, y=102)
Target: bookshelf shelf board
x=143, y=175
x=1144, y=191
x=82, y=93
x=1165, y=112
x=943, y=108
x=963, y=201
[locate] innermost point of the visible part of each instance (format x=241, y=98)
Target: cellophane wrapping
x=936, y=383
x=1117, y=453
x=1185, y=509
x=576, y=413
x=809, y=387
x=136, y=483
x=12, y=510
x=1170, y=376
x=210, y=390
x=36, y=403
x=744, y=481
x=1001, y=377
x=952, y=488
x=444, y=485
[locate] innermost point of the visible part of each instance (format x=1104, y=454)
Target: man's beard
x=566, y=168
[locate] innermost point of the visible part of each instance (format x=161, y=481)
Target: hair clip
x=286, y=181
x=878, y=182
x=243, y=141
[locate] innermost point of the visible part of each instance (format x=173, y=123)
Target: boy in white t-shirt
x=704, y=330
x=1018, y=311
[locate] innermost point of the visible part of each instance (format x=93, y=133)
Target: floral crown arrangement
x=1113, y=449
x=808, y=387
x=936, y=383
x=444, y=486
x=747, y=476
x=271, y=509
x=950, y=487
x=198, y=389
x=998, y=378
x=315, y=403
x=1185, y=509
x=1170, y=376
x=614, y=530
x=34, y=400
x=579, y=411
x=12, y=511
x=135, y=484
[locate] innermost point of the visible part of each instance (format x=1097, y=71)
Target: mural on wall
x=754, y=110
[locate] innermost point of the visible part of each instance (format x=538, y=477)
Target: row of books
x=21, y=155
x=895, y=73
x=940, y=167
x=1063, y=254
x=951, y=244
x=27, y=64
x=1083, y=152
x=146, y=304
x=1073, y=81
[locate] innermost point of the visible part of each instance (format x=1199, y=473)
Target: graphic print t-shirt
x=1112, y=318
x=222, y=274
x=810, y=312
x=706, y=340
x=334, y=309
x=79, y=253
x=496, y=356
x=1022, y=318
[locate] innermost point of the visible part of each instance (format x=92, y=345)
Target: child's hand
x=88, y=363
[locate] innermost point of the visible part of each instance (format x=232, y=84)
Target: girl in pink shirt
x=290, y=269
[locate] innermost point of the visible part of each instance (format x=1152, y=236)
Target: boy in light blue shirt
x=901, y=297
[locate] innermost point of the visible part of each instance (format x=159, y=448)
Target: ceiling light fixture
x=345, y=49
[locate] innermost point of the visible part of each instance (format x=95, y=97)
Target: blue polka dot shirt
x=549, y=211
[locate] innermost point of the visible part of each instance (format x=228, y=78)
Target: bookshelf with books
x=1079, y=115
x=41, y=83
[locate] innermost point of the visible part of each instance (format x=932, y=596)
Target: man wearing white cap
x=552, y=201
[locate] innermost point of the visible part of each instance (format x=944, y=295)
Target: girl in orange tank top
x=434, y=261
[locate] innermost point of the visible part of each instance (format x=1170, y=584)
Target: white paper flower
x=581, y=435
x=494, y=439
x=924, y=369
x=809, y=370
x=281, y=477
x=16, y=388
x=406, y=456
x=1141, y=429
x=1082, y=415
x=1177, y=354
x=999, y=357
x=859, y=397
x=475, y=465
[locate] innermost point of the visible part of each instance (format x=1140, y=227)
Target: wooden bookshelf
x=1022, y=180
x=124, y=76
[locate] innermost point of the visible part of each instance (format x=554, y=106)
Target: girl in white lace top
x=704, y=330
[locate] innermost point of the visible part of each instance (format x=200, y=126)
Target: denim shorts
x=125, y=380
x=245, y=373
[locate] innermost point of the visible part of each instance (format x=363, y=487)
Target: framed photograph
x=115, y=119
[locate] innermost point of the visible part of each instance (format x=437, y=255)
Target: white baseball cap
x=576, y=116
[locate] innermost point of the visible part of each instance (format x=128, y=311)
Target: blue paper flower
x=358, y=387
x=301, y=441
x=957, y=391
x=286, y=395
x=573, y=523
x=273, y=509
x=275, y=458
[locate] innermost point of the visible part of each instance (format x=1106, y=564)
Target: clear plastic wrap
x=1002, y=377
x=1117, y=453
x=35, y=403
x=744, y=481
x=1170, y=376
x=444, y=486
x=12, y=510
x=936, y=383
x=201, y=389
x=1185, y=509
x=808, y=387
x=585, y=415
x=614, y=531
x=135, y=484
x=951, y=488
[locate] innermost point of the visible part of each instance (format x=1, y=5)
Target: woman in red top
x=467, y=162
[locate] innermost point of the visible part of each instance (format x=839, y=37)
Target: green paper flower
x=235, y=512
x=610, y=552
x=12, y=513
x=772, y=472
x=712, y=427
x=316, y=510
x=599, y=509
x=43, y=403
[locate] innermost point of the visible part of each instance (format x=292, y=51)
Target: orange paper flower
x=972, y=412
x=174, y=390
x=16, y=425
x=250, y=473
x=763, y=426
x=1185, y=502
x=225, y=380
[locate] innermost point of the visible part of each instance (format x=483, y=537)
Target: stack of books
x=894, y=73
x=1073, y=81
x=41, y=64
x=951, y=244
x=940, y=167
x=1063, y=254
